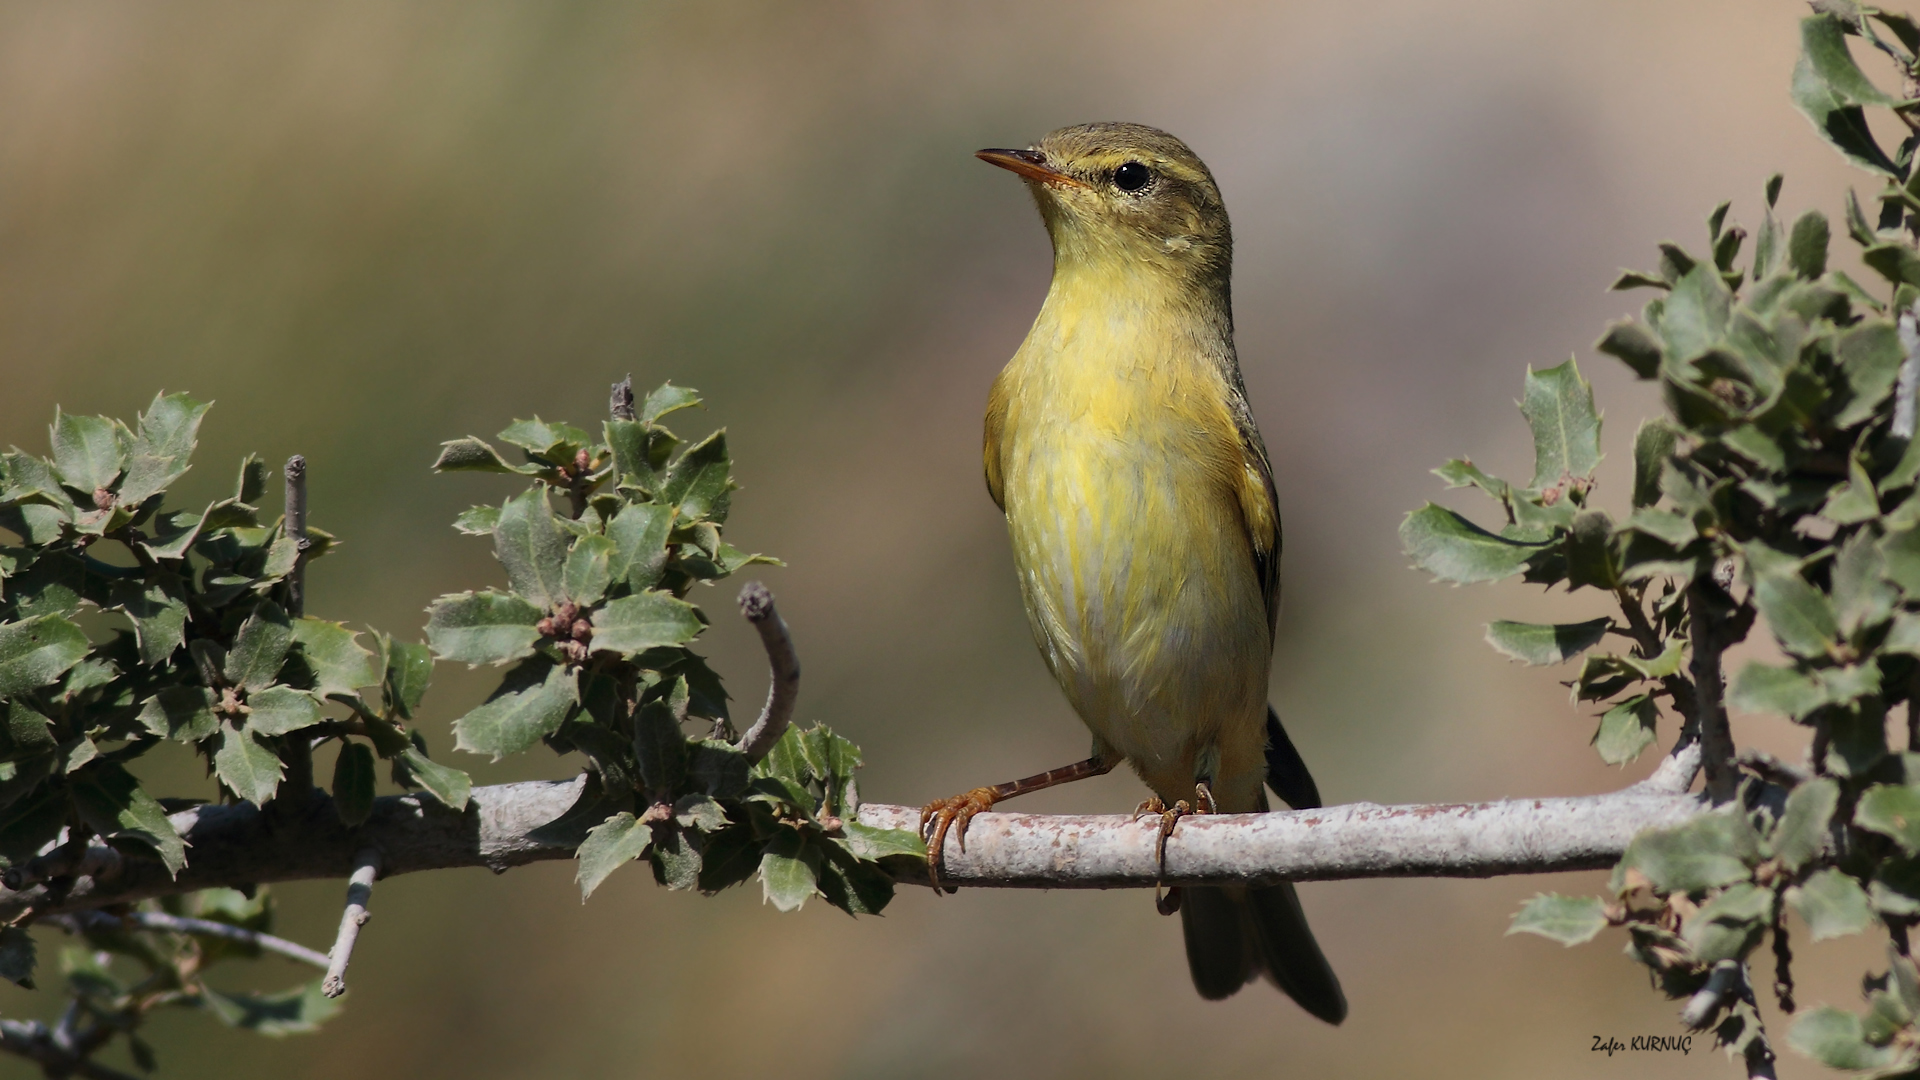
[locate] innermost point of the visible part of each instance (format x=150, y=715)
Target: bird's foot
x=1202, y=804
x=945, y=813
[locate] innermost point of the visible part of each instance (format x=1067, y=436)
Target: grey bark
x=511, y=824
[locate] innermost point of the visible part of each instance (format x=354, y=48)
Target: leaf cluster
x=595, y=630
x=1778, y=489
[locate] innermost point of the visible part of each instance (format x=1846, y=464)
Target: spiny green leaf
x=1728, y=925
x=1762, y=687
x=609, y=845
x=1534, y=643
x=482, y=628
x=1632, y=344
x=557, y=443
x=159, y=617
x=88, y=451
x=1823, y=43
x=1558, y=407
x=478, y=520
x=1800, y=615
x=533, y=701
x=260, y=647
x=666, y=398
x=532, y=548
x=1861, y=597
x=644, y=620
x=658, y=744
x=867, y=842
x=1893, y=811
x=1833, y=1037
x=1653, y=445
x=162, y=447
x=1802, y=830
x=1453, y=549
x=333, y=653
x=789, y=869
x=476, y=455
x=25, y=734
x=699, y=480
x=113, y=804
x=586, y=575
x=280, y=710
x=182, y=713
x=1807, y=245
x=35, y=652
x=249, y=769
x=639, y=534
x=1626, y=729
x=1710, y=851
x=1832, y=904
x=1591, y=556
x=1843, y=125
x=446, y=783
x=409, y=671
x=1695, y=316
x=289, y=1012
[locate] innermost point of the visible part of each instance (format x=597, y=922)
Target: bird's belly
x=1140, y=588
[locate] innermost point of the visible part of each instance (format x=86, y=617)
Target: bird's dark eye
x=1132, y=176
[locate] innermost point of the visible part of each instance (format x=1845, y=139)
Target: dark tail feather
x=1290, y=955
x=1234, y=935
x=1216, y=942
x=1287, y=775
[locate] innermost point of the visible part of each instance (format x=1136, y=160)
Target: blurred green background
x=364, y=228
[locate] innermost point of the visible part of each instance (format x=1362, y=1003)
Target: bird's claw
x=943, y=814
x=1202, y=804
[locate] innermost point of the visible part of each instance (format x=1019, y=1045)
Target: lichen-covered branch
x=511, y=824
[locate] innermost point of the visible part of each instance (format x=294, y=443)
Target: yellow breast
x=1113, y=450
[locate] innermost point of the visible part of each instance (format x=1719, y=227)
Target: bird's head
x=1120, y=196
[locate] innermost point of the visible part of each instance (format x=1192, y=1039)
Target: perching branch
x=366, y=867
x=756, y=603
x=503, y=827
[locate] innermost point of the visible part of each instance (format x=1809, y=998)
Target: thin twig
x=1903, y=391
x=1704, y=1007
x=756, y=603
x=30, y=1039
x=1709, y=685
x=1772, y=769
x=1759, y=1049
x=296, y=526
x=296, y=787
x=1674, y=775
x=98, y=862
x=176, y=924
x=366, y=867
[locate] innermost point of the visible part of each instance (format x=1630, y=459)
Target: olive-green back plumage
x=1140, y=502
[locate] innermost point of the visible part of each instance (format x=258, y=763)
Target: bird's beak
x=1031, y=164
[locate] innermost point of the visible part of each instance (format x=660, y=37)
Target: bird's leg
x=959, y=809
x=1202, y=803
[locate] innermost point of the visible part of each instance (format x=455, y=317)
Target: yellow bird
x=1141, y=507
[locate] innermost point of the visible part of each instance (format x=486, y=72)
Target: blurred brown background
x=367, y=227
